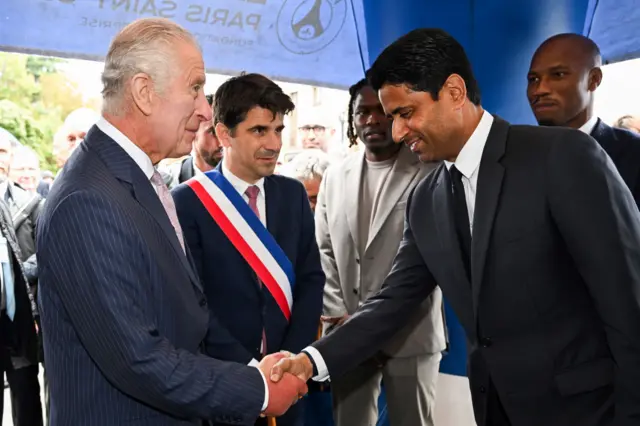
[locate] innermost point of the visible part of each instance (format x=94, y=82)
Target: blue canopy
x=319, y=42
x=314, y=41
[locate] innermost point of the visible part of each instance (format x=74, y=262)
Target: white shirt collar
x=468, y=160
x=589, y=125
x=196, y=169
x=138, y=155
x=240, y=185
x=4, y=188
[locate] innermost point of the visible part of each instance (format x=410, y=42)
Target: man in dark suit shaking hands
x=125, y=317
x=533, y=238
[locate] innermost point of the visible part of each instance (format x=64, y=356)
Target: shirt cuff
x=321, y=366
x=266, y=390
x=253, y=363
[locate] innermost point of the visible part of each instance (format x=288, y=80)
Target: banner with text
x=319, y=42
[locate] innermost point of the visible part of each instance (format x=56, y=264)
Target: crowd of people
x=211, y=289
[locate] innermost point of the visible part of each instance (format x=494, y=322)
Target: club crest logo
x=307, y=26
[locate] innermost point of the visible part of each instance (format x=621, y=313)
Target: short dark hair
x=236, y=96
x=423, y=59
x=353, y=92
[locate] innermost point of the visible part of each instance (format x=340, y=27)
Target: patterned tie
x=167, y=202
x=252, y=193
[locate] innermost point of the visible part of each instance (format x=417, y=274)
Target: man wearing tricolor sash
x=252, y=234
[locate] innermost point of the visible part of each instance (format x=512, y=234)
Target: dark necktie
x=252, y=193
x=461, y=218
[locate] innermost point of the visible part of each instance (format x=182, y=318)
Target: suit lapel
x=124, y=168
x=490, y=177
x=402, y=173
x=148, y=198
x=443, y=206
x=352, y=185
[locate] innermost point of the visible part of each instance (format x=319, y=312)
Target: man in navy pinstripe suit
x=123, y=313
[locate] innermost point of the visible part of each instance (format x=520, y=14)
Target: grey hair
x=144, y=46
x=308, y=165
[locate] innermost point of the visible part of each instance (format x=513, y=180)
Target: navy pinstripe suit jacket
x=123, y=313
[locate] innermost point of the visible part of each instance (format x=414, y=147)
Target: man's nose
x=399, y=131
x=203, y=109
x=273, y=142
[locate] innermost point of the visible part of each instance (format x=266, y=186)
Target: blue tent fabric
x=615, y=26
x=319, y=42
x=306, y=41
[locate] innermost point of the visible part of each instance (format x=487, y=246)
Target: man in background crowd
x=19, y=210
x=315, y=129
x=308, y=168
x=628, y=122
x=563, y=77
x=25, y=168
x=205, y=155
x=46, y=179
x=359, y=221
x=71, y=133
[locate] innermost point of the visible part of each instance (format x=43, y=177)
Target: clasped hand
x=287, y=377
x=286, y=390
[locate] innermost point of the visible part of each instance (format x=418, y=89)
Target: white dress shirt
x=241, y=186
x=468, y=163
x=589, y=125
x=145, y=164
x=134, y=151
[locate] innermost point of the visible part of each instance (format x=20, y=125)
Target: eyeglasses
x=316, y=129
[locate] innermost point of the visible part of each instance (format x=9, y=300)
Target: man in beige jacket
x=359, y=221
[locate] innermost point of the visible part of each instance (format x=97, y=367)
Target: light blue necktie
x=7, y=279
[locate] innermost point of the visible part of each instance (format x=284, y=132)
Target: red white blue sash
x=248, y=235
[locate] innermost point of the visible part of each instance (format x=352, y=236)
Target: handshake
x=286, y=376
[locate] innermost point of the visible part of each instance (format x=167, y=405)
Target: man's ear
x=595, y=78
x=455, y=90
x=142, y=92
x=223, y=133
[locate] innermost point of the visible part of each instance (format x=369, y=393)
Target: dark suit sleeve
x=600, y=224
x=31, y=263
x=219, y=342
x=307, y=293
x=408, y=284
x=95, y=258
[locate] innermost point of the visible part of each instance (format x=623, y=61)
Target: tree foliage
x=35, y=98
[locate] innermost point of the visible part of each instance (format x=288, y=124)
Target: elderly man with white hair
x=308, y=167
x=124, y=316
x=72, y=132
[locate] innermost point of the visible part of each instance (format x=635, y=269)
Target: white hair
x=144, y=46
x=81, y=119
x=308, y=165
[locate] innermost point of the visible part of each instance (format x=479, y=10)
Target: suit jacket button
x=357, y=261
x=482, y=389
x=355, y=291
x=203, y=302
x=485, y=342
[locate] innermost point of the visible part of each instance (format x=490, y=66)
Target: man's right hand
x=284, y=393
x=299, y=365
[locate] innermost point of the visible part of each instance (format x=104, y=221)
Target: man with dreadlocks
x=357, y=251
